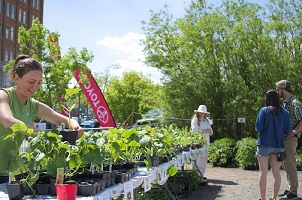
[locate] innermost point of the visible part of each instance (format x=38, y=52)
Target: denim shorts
x=266, y=151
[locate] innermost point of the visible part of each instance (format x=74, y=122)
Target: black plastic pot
x=43, y=189
x=87, y=188
x=120, y=177
x=15, y=191
x=28, y=190
x=69, y=136
x=154, y=160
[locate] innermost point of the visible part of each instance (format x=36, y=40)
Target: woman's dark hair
x=198, y=119
x=272, y=99
x=24, y=64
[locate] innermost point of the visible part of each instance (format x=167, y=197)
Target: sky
x=110, y=29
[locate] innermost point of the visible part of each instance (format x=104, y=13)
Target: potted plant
x=92, y=153
x=222, y=152
x=69, y=135
x=245, y=155
x=18, y=164
x=156, y=143
x=15, y=190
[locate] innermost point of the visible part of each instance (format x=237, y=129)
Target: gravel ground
x=237, y=184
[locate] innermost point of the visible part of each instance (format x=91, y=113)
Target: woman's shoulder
x=265, y=109
x=9, y=89
x=6, y=92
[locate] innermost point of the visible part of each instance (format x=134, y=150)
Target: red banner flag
x=97, y=101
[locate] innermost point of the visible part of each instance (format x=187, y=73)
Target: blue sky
x=111, y=29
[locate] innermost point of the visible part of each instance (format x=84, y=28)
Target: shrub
x=222, y=151
x=246, y=152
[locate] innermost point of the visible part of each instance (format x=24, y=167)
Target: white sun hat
x=202, y=109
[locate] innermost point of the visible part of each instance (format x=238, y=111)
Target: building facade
x=14, y=14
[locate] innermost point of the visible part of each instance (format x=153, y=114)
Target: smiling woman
x=18, y=106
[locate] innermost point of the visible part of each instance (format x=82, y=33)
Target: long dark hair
x=272, y=99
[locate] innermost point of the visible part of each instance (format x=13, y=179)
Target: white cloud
x=128, y=45
x=130, y=55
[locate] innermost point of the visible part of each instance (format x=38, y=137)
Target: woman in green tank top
x=18, y=106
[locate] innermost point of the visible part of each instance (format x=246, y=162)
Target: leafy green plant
x=92, y=150
x=246, y=149
x=112, y=147
x=223, y=151
x=130, y=146
x=19, y=160
x=70, y=101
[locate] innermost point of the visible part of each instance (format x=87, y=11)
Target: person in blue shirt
x=273, y=124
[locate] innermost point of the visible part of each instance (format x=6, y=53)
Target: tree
x=131, y=96
x=225, y=57
x=43, y=45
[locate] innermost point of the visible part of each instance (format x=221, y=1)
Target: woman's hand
x=207, y=131
x=74, y=125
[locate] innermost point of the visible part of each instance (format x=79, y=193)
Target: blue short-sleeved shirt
x=268, y=128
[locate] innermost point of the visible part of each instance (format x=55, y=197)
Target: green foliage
x=223, y=151
x=179, y=184
x=222, y=56
x=133, y=93
x=70, y=101
x=43, y=45
x=153, y=195
x=246, y=152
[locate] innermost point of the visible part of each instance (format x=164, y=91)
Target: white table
x=158, y=174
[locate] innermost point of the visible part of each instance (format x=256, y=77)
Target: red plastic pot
x=66, y=191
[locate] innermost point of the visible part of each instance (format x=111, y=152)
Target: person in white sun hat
x=201, y=124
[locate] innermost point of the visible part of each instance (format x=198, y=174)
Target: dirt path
x=237, y=184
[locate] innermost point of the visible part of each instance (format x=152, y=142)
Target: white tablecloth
x=158, y=174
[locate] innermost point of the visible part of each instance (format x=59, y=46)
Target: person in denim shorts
x=272, y=124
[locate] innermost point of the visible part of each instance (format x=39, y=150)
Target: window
x=6, y=56
x=13, y=13
x=8, y=10
x=24, y=1
x=11, y=55
x=6, y=80
x=7, y=30
x=0, y=29
x=36, y=4
x=22, y=16
x=12, y=33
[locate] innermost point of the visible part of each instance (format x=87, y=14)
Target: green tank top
x=25, y=113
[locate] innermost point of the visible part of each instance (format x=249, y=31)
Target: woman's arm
x=50, y=115
x=6, y=116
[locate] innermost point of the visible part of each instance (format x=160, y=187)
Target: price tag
x=128, y=191
x=147, y=184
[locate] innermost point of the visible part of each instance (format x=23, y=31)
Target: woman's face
x=29, y=83
x=201, y=114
